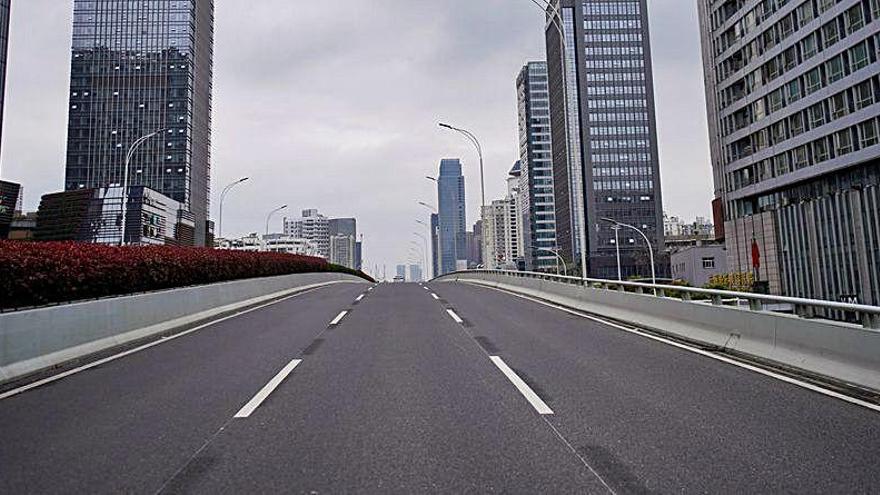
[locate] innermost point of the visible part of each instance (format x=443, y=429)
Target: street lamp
x=616, y=229
x=473, y=139
x=647, y=241
x=428, y=206
x=128, y=156
x=559, y=260
x=269, y=217
x=222, y=197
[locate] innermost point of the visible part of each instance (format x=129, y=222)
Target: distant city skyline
x=387, y=148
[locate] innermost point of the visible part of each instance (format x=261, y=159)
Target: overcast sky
x=335, y=105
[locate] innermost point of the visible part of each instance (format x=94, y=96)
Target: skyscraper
x=606, y=164
x=536, y=198
x=139, y=67
x=4, y=49
x=793, y=92
x=452, y=218
x=312, y=226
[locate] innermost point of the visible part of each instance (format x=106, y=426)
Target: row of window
x=613, y=37
x=619, y=117
x=835, y=69
x=615, y=51
x=837, y=106
x=617, y=103
x=615, y=76
x=619, y=7
x=615, y=64
x=615, y=90
x=822, y=39
x=841, y=143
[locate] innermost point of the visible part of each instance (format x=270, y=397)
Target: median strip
x=522, y=386
x=270, y=387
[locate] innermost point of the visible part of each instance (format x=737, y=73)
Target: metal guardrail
x=805, y=308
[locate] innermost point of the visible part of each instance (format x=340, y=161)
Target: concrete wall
x=34, y=340
x=839, y=351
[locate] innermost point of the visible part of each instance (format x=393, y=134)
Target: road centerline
x=455, y=316
x=338, y=318
x=435, y=296
x=540, y=406
x=270, y=387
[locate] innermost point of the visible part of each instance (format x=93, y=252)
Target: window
x=775, y=100
x=868, y=133
x=875, y=9
x=777, y=132
x=863, y=94
x=816, y=115
x=793, y=91
x=796, y=124
x=810, y=46
x=781, y=164
x=708, y=263
x=843, y=142
x=854, y=18
x=834, y=69
x=859, y=57
x=820, y=150
x=830, y=33
x=825, y=5
x=813, y=80
x=839, y=105
x=800, y=157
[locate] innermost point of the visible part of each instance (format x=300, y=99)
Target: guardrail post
x=756, y=305
x=661, y=293
x=621, y=288
x=640, y=290
x=871, y=321
x=716, y=300
x=685, y=296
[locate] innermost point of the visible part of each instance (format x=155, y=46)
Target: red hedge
x=38, y=273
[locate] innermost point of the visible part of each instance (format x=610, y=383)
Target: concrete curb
x=36, y=340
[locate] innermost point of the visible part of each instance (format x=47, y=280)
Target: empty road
x=446, y=388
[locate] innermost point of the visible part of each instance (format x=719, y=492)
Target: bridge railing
x=869, y=316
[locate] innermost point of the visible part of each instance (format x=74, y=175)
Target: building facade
x=604, y=133
x=138, y=68
x=697, y=264
x=342, y=251
x=452, y=216
x=792, y=92
x=536, y=196
x=312, y=226
x=415, y=273
x=95, y=215
x=435, y=244
x=502, y=227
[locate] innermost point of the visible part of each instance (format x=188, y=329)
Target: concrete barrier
x=35, y=340
x=839, y=351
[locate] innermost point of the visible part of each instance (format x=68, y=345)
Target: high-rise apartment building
x=139, y=67
x=502, y=227
x=536, y=198
x=452, y=218
x=604, y=137
x=312, y=226
x=342, y=250
x=793, y=90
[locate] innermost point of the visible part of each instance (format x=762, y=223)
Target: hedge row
x=39, y=273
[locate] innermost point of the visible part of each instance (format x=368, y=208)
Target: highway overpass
x=446, y=387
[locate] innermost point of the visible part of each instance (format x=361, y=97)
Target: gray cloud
x=336, y=106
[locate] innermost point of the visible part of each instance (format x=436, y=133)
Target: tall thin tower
x=604, y=134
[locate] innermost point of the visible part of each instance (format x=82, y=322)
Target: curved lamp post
x=647, y=241
x=128, y=156
x=476, y=142
x=269, y=216
x=223, y=197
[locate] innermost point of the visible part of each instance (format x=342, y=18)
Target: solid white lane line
x=435, y=296
x=338, y=318
x=717, y=357
x=455, y=316
x=522, y=386
x=360, y=298
x=270, y=387
x=94, y=364
x=426, y=288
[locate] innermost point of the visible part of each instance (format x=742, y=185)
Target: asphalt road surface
x=448, y=388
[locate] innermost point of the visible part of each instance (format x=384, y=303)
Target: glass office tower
x=537, y=205
x=139, y=67
x=793, y=99
x=606, y=164
x=452, y=220
x=4, y=49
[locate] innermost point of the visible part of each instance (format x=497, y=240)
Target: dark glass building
x=606, y=164
x=139, y=67
x=4, y=49
x=452, y=221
